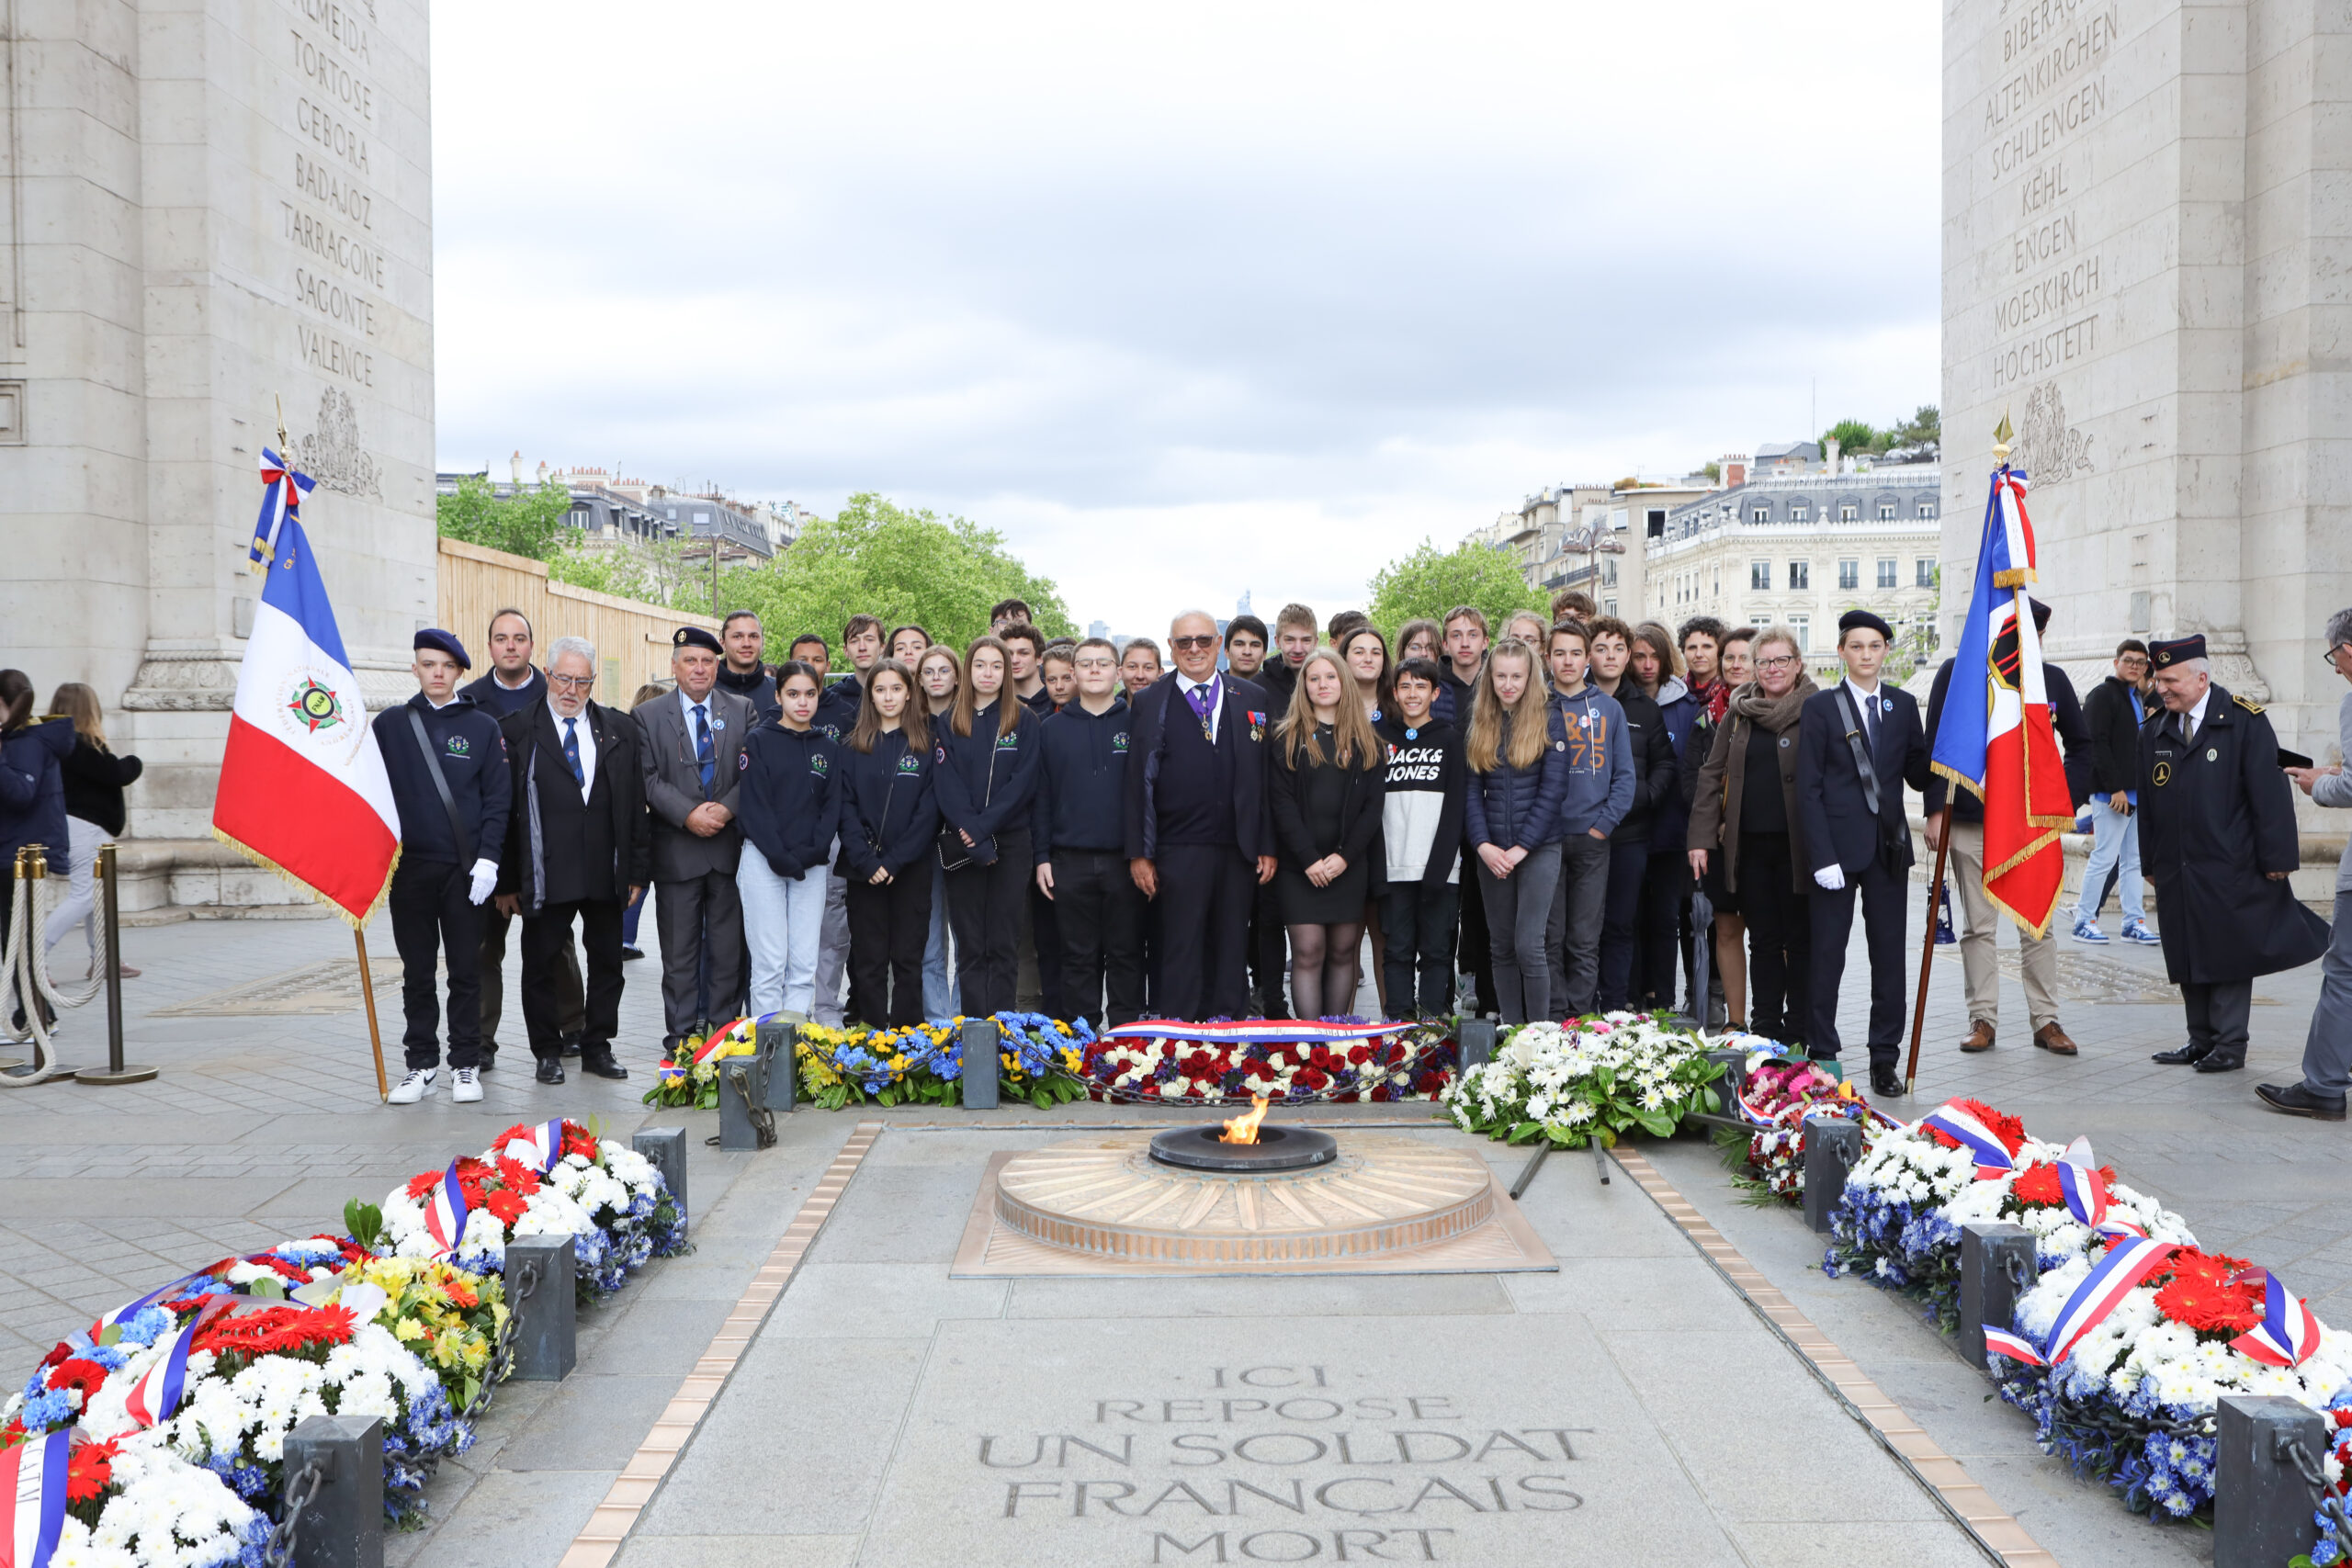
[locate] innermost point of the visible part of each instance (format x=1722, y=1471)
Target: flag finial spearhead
x=2002, y=435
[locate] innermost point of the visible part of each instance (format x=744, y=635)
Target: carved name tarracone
x=351, y=257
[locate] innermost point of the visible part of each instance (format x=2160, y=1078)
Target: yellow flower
x=408, y=1329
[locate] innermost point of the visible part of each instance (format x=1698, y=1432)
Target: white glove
x=485, y=878
x=1831, y=877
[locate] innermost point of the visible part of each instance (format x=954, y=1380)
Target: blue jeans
x=2115, y=846
x=783, y=920
x=938, y=990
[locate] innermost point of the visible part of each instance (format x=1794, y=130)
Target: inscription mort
x=1281, y=1464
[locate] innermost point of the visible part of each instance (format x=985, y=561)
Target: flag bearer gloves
x=485, y=878
x=1831, y=877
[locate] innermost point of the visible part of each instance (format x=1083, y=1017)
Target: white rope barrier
x=25, y=981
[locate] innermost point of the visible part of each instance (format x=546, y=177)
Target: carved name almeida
x=333, y=454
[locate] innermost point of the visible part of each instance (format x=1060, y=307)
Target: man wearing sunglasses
x=1199, y=832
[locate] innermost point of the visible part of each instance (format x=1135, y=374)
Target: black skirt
x=1323, y=795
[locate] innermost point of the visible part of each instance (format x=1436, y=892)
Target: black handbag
x=953, y=853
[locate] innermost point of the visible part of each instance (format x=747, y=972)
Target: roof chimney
x=1735, y=469
x=516, y=463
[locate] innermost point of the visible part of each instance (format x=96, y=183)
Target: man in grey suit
x=694, y=741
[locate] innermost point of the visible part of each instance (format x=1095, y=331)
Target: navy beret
x=2165, y=655
x=694, y=637
x=1853, y=618
x=439, y=641
x=2041, y=615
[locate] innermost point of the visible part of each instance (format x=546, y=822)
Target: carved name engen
x=1277, y=1464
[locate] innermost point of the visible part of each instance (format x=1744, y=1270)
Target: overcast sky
x=1184, y=299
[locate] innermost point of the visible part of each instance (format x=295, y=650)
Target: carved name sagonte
x=1284, y=1464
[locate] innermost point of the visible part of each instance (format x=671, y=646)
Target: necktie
x=571, y=752
x=704, y=757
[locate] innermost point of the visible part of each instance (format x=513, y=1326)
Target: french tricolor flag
x=32, y=1498
x=302, y=786
x=2115, y=1276
x=1993, y=734
x=159, y=1389
x=445, y=1211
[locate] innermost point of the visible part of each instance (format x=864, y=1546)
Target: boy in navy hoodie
x=1078, y=839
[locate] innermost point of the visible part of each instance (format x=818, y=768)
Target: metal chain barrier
x=279, y=1551
x=2313, y=1471
x=502, y=1356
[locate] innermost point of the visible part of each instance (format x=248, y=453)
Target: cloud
x=1250, y=295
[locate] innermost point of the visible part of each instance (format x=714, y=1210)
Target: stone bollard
x=778, y=1039
x=666, y=1147
x=547, y=1322
x=1475, y=1041
x=744, y=1124
x=1833, y=1146
x=1988, y=1288
x=1733, y=1083
x=2263, y=1504
x=341, y=1523
x=980, y=1038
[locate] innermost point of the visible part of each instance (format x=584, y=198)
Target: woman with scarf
x=1745, y=811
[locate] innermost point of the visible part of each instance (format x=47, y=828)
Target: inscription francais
x=1243, y=1473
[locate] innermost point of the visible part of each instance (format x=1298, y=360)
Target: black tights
x=1325, y=965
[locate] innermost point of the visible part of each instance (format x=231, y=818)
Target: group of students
x=1006, y=785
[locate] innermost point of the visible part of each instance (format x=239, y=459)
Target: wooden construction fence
x=632, y=637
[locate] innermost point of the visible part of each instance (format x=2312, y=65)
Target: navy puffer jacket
x=1510, y=806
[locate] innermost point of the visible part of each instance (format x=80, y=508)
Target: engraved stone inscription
x=1284, y=1464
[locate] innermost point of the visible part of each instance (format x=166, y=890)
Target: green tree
x=1852, y=435
x=656, y=571
x=1923, y=428
x=529, y=523
x=944, y=573
x=1428, y=582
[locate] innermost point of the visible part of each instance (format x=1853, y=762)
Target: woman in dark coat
x=32, y=786
x=94, y=780
x=1737, y=814
x=1325, y=790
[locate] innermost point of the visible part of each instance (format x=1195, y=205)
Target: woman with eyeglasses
x=1744, y=828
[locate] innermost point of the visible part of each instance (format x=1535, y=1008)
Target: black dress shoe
x=629, y=955
x=2221, y=1062
x=1886, y=1082
x=571, y=1045
x=2184, y=1055
x=2300, y=1100
x=550, y=1070
x=602, y=1065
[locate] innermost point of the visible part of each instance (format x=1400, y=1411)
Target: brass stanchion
x=114, y=1072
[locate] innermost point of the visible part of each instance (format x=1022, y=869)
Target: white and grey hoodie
x=1421, y=814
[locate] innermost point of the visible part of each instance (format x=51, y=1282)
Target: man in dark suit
x=693, y=740
x=1858, y=744
x=1200, y=833
x=577, y=849
x=2217, y=835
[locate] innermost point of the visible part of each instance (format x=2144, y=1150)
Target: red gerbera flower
x=422, y=1183
x=89, y=1471
x=2037, y=1187
x=276, y=1329
x=2007, y=1128
x=77, y=1373
x=507, y=1206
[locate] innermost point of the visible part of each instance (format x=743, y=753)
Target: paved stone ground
x=262, y=1126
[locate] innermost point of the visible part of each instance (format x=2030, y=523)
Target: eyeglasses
x=571, y=683
x=2328, y=658
x=1188, y=644
x=1095, y=663
x=1781, y=662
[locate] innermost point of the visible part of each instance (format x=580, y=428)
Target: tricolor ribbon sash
x=445, y=1212
x=2126, y=1264
x=32, y=1498
x=546, y=1140
x=282, y=490
x=1993, y=1156
x=722, y=1038
x=133, y=1309
x=2087, y=1198
x=159, y=1390
x=2288, y=1333
x=1252, y=1031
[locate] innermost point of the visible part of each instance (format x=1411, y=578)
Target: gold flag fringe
x=263, y=860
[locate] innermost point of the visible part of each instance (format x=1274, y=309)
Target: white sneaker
x=411, y=1089
x=468, y=1086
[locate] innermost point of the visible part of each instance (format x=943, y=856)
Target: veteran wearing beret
x=446, y=764
x=2217, y=836
x=691, y=761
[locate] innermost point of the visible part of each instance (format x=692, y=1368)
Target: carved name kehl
x=1231, y=1489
